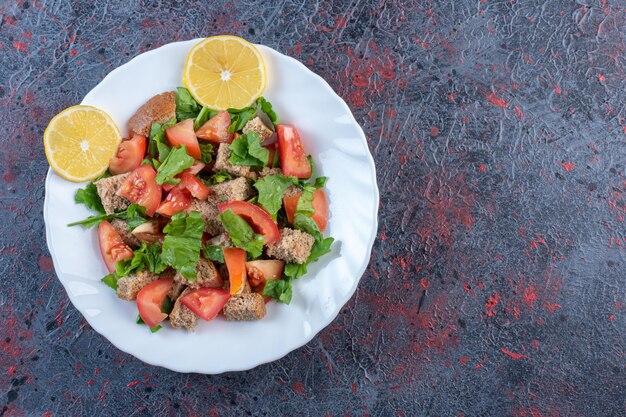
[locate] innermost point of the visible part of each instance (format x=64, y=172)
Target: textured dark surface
x=497, y=282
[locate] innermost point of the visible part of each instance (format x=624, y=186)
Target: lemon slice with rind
x=225, y=72
x=80, y=141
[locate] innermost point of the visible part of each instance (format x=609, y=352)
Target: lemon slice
x=225, y=71
x=80, y=141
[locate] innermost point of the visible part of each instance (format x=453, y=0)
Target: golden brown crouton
x=107, y=190
x=245, y=307
x=238, y=189
x=159, y=109
x=257, y=126
x=176, y=291
x=208, y=211
x=270, y=171
x=121, y=227
x=220, y=240
x=291, y=191
x=128, y=287
x=206, y=276
x=181, y=316
x=222, y=163
x=294, y=246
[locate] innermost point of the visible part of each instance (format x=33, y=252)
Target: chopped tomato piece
x=195, y=168
x=176, y=201
x=261, y=271
x=206, y=302
x=216, y=129
x=320, y=206
x=194, y=186
x=260, y=219
x=235, y=259
x=150, y=299
x=272, y=149
x=182, y=134
x=293, y=160
x=140, y=187
x=112, y=246
x=129, y=155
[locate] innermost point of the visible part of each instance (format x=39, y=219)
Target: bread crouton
x=121, y=227
x=291, y=191
x=237, y=189
x=222, y=163
x=220, y=240
x=181, y=316
x=208, y=211
x=245, y=307
x=159, y=109
x=270, y=171
x=257, y=126
x=206, y=276
x=176, y=291
x=128, y=287
x=107, y=190
x=294, y=246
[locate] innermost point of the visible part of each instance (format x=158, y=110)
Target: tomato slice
x=260, y=219
x=216, y=129
x=129, y=155
x=194, y=186
x=293, y=160
x=177, y=200
x=272, y=149
x=195, y=168
x=140, y=187
x=206, y=302
x=150, y=299
x=320, y=205
x=182, y=134
x=235, y=259
x=112, y=246
x=261, y=271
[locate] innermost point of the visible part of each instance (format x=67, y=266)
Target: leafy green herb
x=202, y=117
x=167, y=306
x=157, y=146
x=207, y=152
x=271, y=189
x=241, y=234
x=148, y=161
x=89, y=197
x=213, y=253
x=147, y=257
x=239, y=118
x=176, y=162
x=134, y=215
x=111, y=280
x=247, y=150
x=182, y=243
x=218, y=177
x=320, y=182
x=305, y=202
x=279, y=290
x=266, y=107
x=186, y=106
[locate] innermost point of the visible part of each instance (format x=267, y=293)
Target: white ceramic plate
x=337, y=143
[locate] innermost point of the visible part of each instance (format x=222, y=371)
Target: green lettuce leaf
x=176, y=162
x=271, y=189
x=279, y=290
x=158, y=146
x=207, y=152
x=134, y=215
x=213, y=253
x=266, y=107
x=202, y=117
x=186, y=106
x=218, y=177
x=182, y=243
x=89, y=197
x=247, y=150
x=241, y=234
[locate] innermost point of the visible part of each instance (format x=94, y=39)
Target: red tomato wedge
x=182, y=134
x=235, y=259
x=194, y=186
x=320, y=205
x=261, y=271
x=112, y=246
x=260, y=219
x=141, y=188
x=129, y=155
x=216, y=129
x=176, y=201
x=293, y=160
x=272, y=149
x=206, y=303
x=150, y=299
x=195, y=168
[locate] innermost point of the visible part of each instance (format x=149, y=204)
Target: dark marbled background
x=497, y=282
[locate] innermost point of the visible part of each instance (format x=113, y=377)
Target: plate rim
x=328, y=320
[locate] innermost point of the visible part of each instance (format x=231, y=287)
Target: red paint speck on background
x=557, y=89
x=490, y=305
x=424, y=283
x=464, y=359
x=133, y=383
x=601, y=77
x=519, y=113
x=45, y=263
x=298, y=387
x=496, y=100
x=482, y=167
x=73, y=52
x=567, y=165
x=516, y=356
x=535, y=343
x=434, y=131
x=20, y=46
x=612, y=317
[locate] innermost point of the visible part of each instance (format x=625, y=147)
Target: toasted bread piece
x=209, y=212
x=177, y=290
x=269, y=171
x=294, y=246
x=128, y=287
x=222, y=163
x=181, y=316
x=238, y=189
x=257, y=126
x=107, y=190
x=220, y=240
x=206, y=276
x=159, y=109
x=291, y=191
x=245, y=307
x=121, y=227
